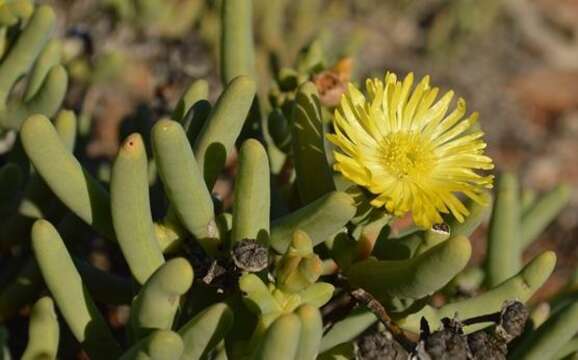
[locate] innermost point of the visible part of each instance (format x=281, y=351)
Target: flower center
x=407, y=155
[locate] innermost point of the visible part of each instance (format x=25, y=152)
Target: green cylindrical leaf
x=433, y=237
x=521, y=287
x=49, y=97
x=257, y=296
x=49, y=57
x=46, y=101
x=203, y=332
x=543, y=212
x=314, y=176
x=37, y=201
x=317, y=294
x=26, y=49
x=184, y=184
x=7, y=18
x=155, y=306
x=251, y=209
x=65, y=285
x=527, y=200
x=281, y=340
x=66, y=126
x=19, y=9
x=196, y=118
x=348, y=329
x=547, y=340
x=218, y=135
x=321, y=219
x=504, y=247
x=169, y=232
x=43, y=331
x=131, y=211
x=237, y=49
x=305, y=21
x=160, y=345
x=568, y=351
x=198, y=91
x=77, y=189
x=272, y=25
x=413, y=278
x=311, y=332
x=299, y=267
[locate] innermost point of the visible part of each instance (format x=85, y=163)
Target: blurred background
x=514, y=61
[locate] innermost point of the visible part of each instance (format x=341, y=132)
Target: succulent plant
x=305, y=263
x=168, y=18
x=31, y=53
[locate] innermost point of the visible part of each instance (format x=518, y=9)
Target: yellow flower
x=402, y=145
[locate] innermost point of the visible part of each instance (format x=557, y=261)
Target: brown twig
x=365, y=298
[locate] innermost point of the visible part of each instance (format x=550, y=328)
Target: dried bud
x=453, y=325
x=375, y=344
x=214, y=271
x=513, y=319
x=448, y=343
x=250, y=255
x=484, y=346
x=330, y=88
x=332, y=83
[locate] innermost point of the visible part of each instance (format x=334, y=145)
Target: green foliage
x=33, y=54
x=348, y=328
x=161, y=344
x=43, y=331
x=131, y=211
x=217, y=136
x=183, y=183
x=238, y=56
x=156, y=304
x=331, y=268
x=321, y=219
x=314, y=177
x=540, y=214
x=79, y=191
x=521, y=287
x=70, y=294
x=413, y=278
x=203, y=332
x=251, y=211
x=281, y=341
x=171, y=18
x=545, y=342
x=504, y=235
x=299, y=267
